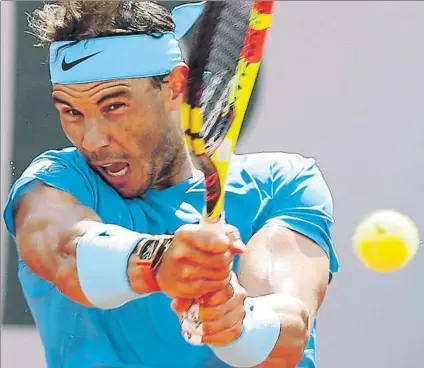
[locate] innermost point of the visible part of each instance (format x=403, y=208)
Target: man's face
x=128, y=130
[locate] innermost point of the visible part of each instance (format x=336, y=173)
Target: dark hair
x=69, y=20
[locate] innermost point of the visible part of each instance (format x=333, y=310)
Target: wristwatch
x=150, y=250
x=149, y=254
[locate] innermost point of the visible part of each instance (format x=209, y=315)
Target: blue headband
x=122, y=57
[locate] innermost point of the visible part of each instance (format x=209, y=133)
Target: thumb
x=237, y=247
x=236, y=244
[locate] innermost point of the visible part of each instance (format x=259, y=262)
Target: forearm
x=294, y=293
x=49, y=244
x=287, y=264
x=47, y=235
x=290, y=278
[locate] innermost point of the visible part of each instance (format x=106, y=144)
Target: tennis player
x=110, y=247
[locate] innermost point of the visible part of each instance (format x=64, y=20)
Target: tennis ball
x=386, y=241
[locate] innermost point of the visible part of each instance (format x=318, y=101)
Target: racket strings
x=228, y=44
x=223, y=37
x=203, y=44
x=226, y=48
x=252, y=42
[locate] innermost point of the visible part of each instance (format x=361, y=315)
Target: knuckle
x=241, y=314
x=212, y=242
x=204, y=315
x=223, y=284
x=201, y=287
x=216, y=313
x=240, y=294
x=228, y=322
x=220, y=312
x=222, y=274
x=184, y=232
x=207, y=328
x=229, y=292
x=210, y=299
x=217, y=239
x=179, y=252
x=227, y=279
x=175, y=254
x=222, y=261
x=236, y=331
x=180, y=233
x=217, y=285
x=227, y=258
x=185, y=273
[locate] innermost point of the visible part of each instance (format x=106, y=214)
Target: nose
x=95, y=136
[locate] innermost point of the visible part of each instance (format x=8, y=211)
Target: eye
x=115, y=106
x=73, y=112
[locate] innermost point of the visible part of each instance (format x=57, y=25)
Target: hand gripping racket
x=228, y=44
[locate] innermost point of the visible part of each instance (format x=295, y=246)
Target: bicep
x=301, y=201
x=47, y=222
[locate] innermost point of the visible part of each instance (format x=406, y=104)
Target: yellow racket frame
x=192, y=118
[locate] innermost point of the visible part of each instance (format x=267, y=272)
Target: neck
x=179, y=169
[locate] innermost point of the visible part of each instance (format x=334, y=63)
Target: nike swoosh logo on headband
x=66, y=66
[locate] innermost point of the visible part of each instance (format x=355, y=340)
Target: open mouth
x=116, y=169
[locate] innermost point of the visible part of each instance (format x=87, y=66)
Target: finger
x=195, y=256
x=224, y=337
x=222, y=324
x=236, y=244
x=212, y=313
x=181, y=305
x=217, y=298
x=196, y=289
x=188, y=273
x=237, y=247
x=204, y=238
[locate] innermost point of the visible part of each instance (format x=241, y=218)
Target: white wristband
x=102, y=259
x=261, y=329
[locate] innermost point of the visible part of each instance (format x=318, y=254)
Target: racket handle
x=212, y=223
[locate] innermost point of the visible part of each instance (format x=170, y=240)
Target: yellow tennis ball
x=386, y=241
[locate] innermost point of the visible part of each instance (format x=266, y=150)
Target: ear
x=177, y=81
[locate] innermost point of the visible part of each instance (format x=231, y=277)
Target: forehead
x=134, y=87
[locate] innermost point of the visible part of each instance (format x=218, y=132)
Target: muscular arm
x=48, y=225
x=289, y=272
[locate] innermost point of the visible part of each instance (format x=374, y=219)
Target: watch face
x=148, y=250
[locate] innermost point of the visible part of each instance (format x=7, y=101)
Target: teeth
x=107, y=165
x=118, y=173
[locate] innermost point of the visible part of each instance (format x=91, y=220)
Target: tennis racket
x=228, y=44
